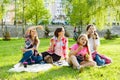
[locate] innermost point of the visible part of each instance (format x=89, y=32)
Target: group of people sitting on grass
x=82, y=54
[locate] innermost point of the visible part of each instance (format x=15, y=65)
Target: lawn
x=10, y=54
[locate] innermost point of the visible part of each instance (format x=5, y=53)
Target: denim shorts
x=79, y=61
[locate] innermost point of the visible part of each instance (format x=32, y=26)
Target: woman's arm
x=65, y=48
x=37, y=46
x=52, y=42
x=94, y=45
x=95, y=40
x=24, y=50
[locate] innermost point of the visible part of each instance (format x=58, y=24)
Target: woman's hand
x=52, y=45
x=23, y=49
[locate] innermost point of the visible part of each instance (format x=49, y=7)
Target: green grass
x=10, y=54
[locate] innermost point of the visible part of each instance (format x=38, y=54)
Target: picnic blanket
x=31, y=68
x=37, y=67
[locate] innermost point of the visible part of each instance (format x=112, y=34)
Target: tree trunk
x=2, y=22
x=23, y=21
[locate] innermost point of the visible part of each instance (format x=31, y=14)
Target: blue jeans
x=27, y=56
x=38, y=59
x=99, y=61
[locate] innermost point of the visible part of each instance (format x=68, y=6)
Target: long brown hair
x=95, y=33
x=35, y=40
x=57, y=31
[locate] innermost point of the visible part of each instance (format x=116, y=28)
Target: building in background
x=57, y=10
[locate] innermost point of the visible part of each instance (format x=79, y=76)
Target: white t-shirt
x=90, y=41
x=58, y=49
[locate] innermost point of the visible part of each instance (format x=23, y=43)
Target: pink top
x=83, y=51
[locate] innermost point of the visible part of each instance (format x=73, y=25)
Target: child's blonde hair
x=86, y=45
x=82, y=36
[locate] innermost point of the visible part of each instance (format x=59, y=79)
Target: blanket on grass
x=37, y=67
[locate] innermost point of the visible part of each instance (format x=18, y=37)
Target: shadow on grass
x=4, y=72
x=57, y=73
x=6, y=75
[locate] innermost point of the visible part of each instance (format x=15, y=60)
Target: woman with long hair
x=94, y=42
x=30, y=50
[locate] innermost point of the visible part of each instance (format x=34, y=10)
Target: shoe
x=80, y=68
x=25, y=64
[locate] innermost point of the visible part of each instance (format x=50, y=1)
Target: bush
x=47, y=31
x=109, y=35
x=67, y=34
x=115, y=36
x=6, y=36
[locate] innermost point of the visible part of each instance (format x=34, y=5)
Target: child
x=79, y=55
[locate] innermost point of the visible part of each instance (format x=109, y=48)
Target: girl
x=79, y=55
x=30, y=53
x=94, y=42
x=58, y=47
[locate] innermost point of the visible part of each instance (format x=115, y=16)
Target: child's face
x=33, y=32
x=62, y=32
x=91, y=30
x=83, y=40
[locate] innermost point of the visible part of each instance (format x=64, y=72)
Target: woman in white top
x=94, y=42
x=58, y=46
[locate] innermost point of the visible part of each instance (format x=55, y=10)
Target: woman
x=94, y=42
x=30, y=53
x=80, y=56
x=58, y=47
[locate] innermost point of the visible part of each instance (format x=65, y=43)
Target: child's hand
x=23, y=49
x=79, y=48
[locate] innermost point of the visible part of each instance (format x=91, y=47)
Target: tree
x=100, y=12
x=35, y=11
x=5, y=33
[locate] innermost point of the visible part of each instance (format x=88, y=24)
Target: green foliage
x=67, y=34
x=47, y=31
x=109, y=35
x=6, y=36
x=3, y=4
x=34, y=11
x=101, y=13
